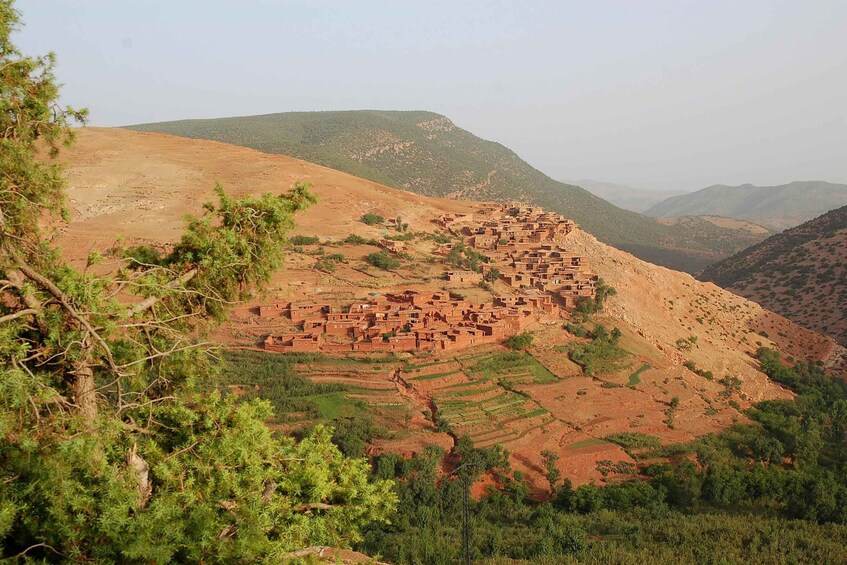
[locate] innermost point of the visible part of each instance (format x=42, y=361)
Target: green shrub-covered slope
x=426, y=153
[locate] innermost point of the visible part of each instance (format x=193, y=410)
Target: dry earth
x=139, y=185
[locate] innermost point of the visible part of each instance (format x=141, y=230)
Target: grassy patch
x=634, y=378
x=590, y=442
x=634, y=440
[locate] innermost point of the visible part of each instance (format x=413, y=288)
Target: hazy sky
x=676, y=94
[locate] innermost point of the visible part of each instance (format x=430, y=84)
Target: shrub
x=577, y=329
x=372, y=219
x=588, y=306
x=520, y=341
x=602, y=355
x=355, y=239
x=304, y=240
x=326, y=265
x=382, y=260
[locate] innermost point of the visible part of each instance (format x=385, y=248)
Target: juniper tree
x=114, y=446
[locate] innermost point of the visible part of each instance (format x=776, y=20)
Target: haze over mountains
x=625, y=196
x=800, y=273
x=776, y=207
x=426, y=153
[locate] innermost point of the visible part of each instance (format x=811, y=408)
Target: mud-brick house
x=301, y=311
x=464, y=277
x=446, y=220
x=293, y=343
x=538, y=301
x=402, y=342
x=581, y=287
x=516, y=279
x=444, y=249
x=392, y=246
x=484, y=241
x=343, y=327
x=276, y=309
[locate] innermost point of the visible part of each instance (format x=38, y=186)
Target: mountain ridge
x=426, y=153
x=777, y=207
x=635, y=199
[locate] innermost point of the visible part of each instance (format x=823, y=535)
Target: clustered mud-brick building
x=403, y=322
x=521, y=242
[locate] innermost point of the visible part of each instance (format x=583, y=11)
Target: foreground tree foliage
x=108, y=451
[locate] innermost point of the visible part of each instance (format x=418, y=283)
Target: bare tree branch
x=148, y=303
x=18, y=314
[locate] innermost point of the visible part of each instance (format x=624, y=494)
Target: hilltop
x=775, y=207
x=800, y=273
x=627, y=197
x=427, y=154
x=683, y=339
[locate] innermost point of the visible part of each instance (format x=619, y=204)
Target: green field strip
x=471, y=392
x=424, y=365
x=590, y=442
x=634, y=378
x=501, y=407
x=434, y=376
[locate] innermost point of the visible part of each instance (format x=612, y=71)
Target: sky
x=667, y=95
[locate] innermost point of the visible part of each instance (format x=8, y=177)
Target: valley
x=687, y=367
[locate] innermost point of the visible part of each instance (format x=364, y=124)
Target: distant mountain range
x=776, y=207
x=800, y=273
x=426, y=153
x=627, y=197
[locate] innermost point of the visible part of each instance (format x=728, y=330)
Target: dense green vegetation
x=776, y=207
x=304, y=240
x=586, y=306
x=601, y=354
x=520, y=341
x=443, y=159
x=111, y=450
x=372, y=219
x=773, y=491
x=382, y=260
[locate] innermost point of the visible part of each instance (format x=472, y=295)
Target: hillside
x=627, y=197
x=139, y=185
x=800, y=273
x=426, y=153
x=776, y=207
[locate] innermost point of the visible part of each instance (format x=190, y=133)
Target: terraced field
x=473, y=394
x=364, y=381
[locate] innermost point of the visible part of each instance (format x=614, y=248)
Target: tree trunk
x=83, y=389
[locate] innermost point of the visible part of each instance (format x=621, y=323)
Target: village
x=523, y=247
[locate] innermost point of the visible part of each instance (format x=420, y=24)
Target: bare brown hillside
x=139, y=185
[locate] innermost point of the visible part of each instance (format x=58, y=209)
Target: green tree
x=109, y=449
x=551, y=472
x=520, y=341
x=372, y=219
x=382, y=260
